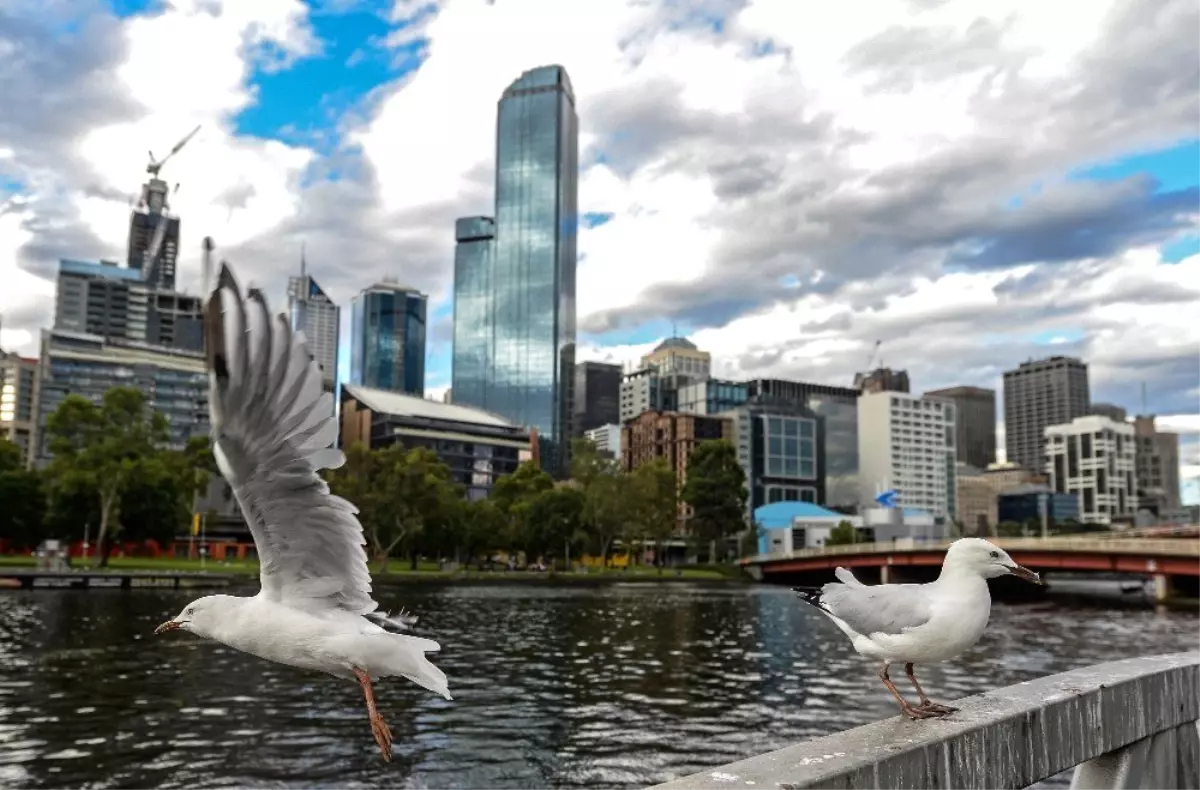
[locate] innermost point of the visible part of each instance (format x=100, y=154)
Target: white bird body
x=959, y=611
x=918, y=623
x=273, y=430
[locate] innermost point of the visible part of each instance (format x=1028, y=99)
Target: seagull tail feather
x=405, y=657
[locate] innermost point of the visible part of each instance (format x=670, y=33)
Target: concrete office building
x=975, y=426
x=1038, y=394
x=597, y=396
x=607, y=439
x=645, y=390
x=1111, y=411
x=1157, y=467
x=1094, y=458
x=18, y=401
x=906, y=443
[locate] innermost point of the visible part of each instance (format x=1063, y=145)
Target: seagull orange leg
x=905, y=706
x=383, y=735
x=926, y=702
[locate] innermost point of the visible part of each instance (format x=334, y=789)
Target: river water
x=555, y=686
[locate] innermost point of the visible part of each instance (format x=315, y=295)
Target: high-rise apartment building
x=387, y=351
x=597, y=396
x=1157, y=467
x=1038, y=394
x=975, y=428
x=314, y=313
x=644, y=390
x=906, y=443
x=18, y=400
x=471, y=366
x=109, y=301
x=529, y=369
x=1094, y=458
x=174, y=381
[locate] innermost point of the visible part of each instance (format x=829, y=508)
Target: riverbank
x=401, y=572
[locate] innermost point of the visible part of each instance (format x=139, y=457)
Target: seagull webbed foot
x=383, y=736
x=918, y=712
x=930, y=705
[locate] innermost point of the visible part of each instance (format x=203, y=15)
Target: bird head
x=200, y=617
x=986, y=559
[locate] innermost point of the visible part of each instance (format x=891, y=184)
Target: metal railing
x=1130, y=723
x=1174, y=547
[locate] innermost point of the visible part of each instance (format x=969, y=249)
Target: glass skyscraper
x=524, y=328
x=472, y=309
x=387, y=324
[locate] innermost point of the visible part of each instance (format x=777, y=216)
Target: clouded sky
x=975, y=184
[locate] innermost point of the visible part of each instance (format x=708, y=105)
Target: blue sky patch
x=649, y=332
x=1183, y=247
x=1175, y=168
x=127, y=8
x=594, y=219
x=1055, y=336
x=305, y=103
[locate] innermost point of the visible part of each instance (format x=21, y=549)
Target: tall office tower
x=387, y=351
x=1157, y=467
x=108, y=301
x=1095, y=459
x=1038, y=394
x=597, y=396
x=154, y=236
x=975, y=430
x=470, y=366
x=530, y=378
x=315, y=314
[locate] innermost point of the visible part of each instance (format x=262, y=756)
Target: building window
x=790, y=447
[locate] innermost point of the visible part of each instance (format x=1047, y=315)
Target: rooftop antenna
x=206, y=268
x=303, y=263
x=674, y=328
x=1144, y=412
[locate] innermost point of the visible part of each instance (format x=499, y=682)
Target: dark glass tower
x=471, y=360
x=530, y=360
x=388, y=339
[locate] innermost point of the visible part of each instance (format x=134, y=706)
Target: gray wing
x=877, y=609
x=273, y=428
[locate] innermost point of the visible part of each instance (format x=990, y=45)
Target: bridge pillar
x=885, y=574
x=1162, y=587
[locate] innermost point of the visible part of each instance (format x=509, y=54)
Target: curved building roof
x=781, y=514
x=676, y=342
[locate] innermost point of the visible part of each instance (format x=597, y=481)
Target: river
x=555, y=686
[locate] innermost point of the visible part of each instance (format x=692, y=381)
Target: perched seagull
x=272, y=430
x=919, y=623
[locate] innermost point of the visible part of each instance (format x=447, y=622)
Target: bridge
x=1130, y=723
x=1172, y=562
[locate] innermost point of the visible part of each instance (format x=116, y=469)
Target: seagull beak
x=1021, y=572
x=170, y=625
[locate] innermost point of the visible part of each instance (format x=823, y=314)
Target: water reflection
x=554, y=687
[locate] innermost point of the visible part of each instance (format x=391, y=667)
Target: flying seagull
x=918, y=623
x=273, y=427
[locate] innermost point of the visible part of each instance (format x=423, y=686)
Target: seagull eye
x=192, y=609
x=995, y=555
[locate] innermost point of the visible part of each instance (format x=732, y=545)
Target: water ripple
x=566, y=687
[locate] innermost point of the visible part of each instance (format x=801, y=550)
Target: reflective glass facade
x=388, y=343
x=471, y=361
x=529, y=376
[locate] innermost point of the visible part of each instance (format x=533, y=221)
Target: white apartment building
x=906, y=443
x=607, y=439
x=1094, y=458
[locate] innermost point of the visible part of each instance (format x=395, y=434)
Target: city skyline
x=1026, y=245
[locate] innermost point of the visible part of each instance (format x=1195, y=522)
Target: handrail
x=1129, y=723
x=1182, y=547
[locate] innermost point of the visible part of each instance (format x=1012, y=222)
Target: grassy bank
x=399, y=571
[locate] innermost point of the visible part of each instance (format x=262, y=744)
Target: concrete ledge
x=1010, y=737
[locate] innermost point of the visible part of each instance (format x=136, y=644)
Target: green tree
x=716, y=491
x=655, y=503
x=99, y=449
x=841, y=535
x=514, y=495
x=22, y=502
x=605, y=490
x=553, y=523
x=156, y=502
x=409, y=494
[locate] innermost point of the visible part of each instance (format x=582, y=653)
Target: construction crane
x=156, y=165
x=873, y=355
